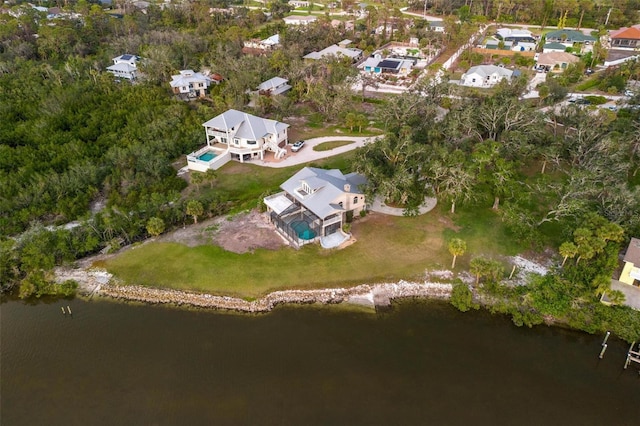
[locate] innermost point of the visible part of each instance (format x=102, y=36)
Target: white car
x=297, y=146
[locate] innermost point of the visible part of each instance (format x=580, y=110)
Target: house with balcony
x=237, y=135
x=125, y=66
x=274, y=86
x=314, y=205
x=485, y=76
x=189, y=84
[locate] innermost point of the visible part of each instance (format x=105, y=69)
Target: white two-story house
x=190, y=84
x=237, y=135
x=315, y=204
x=125, y=66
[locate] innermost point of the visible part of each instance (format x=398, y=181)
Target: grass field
x=328, y=146
x=387, y=249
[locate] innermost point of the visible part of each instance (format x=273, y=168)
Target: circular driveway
x=307, y=154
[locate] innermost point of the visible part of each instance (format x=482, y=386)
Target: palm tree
x=457, y=247
x=195, y=209
x=567, y=249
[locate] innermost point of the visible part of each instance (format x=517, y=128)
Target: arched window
x=355, y=200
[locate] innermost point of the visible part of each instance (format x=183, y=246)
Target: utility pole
x=606, y=21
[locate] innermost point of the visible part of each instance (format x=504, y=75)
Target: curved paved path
x=307, y=154
x=380, y=207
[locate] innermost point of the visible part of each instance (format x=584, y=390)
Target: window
x=355, y=200
x=236, y=141
x=223, y=140
x=251, y=142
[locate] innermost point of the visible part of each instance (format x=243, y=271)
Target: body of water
x=421, y=363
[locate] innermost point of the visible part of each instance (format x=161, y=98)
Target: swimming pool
x=207, y=156
x=302, y=229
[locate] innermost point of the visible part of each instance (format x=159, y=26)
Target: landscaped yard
x=387, y=249
x=328, y=146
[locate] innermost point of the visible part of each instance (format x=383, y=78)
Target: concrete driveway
x=307, y=154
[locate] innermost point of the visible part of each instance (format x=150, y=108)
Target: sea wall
x=374, y=295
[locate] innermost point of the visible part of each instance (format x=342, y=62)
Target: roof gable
x=325, y=187
x=627, y=33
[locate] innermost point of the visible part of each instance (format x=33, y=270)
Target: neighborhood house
x=314, y=205
x=236, y=135
x=124, y=66
x=274, y=86
x=378, y=65
x=190, y=84
x=631, y=271
x=555, y=61
x=485, y=76
x=337, y=50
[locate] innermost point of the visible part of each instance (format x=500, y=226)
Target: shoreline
x=99, y=283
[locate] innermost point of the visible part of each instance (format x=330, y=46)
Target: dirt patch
x=240, y=233
x=448, y=223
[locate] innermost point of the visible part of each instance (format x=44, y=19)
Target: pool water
x=208, y=156
x=302, y=229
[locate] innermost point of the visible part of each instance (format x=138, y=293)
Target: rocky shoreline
x=100, y=283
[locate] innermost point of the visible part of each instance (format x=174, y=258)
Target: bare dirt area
x=240, y=233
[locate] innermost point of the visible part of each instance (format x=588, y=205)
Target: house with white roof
x=485, y=76
x=237, y=135
x=190, y=84
x=268, y=43
x=515, y=34
x=298, y=3
x=124, y=66
x=314, y=204
x=274, y=86
x=337, y=50
x=299, y=19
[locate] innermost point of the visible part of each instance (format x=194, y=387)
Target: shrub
x=462, y=298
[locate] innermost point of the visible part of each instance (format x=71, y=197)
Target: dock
x=632, y=356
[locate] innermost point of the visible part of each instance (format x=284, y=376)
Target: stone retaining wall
x=387, y=292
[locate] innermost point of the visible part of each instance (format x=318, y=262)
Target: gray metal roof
x=487, y=70
x=273, y=83
x=187, y=77
x=327, y=186
x=633, y=252
x=247, y=126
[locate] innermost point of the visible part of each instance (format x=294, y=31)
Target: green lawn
x=387, y=249
x=328, y=146
x=245, y=184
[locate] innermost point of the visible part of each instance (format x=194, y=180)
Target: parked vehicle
x=297, y=146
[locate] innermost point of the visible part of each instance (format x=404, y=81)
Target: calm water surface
x=421, y=363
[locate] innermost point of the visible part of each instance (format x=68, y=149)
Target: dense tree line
x=73, y=138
